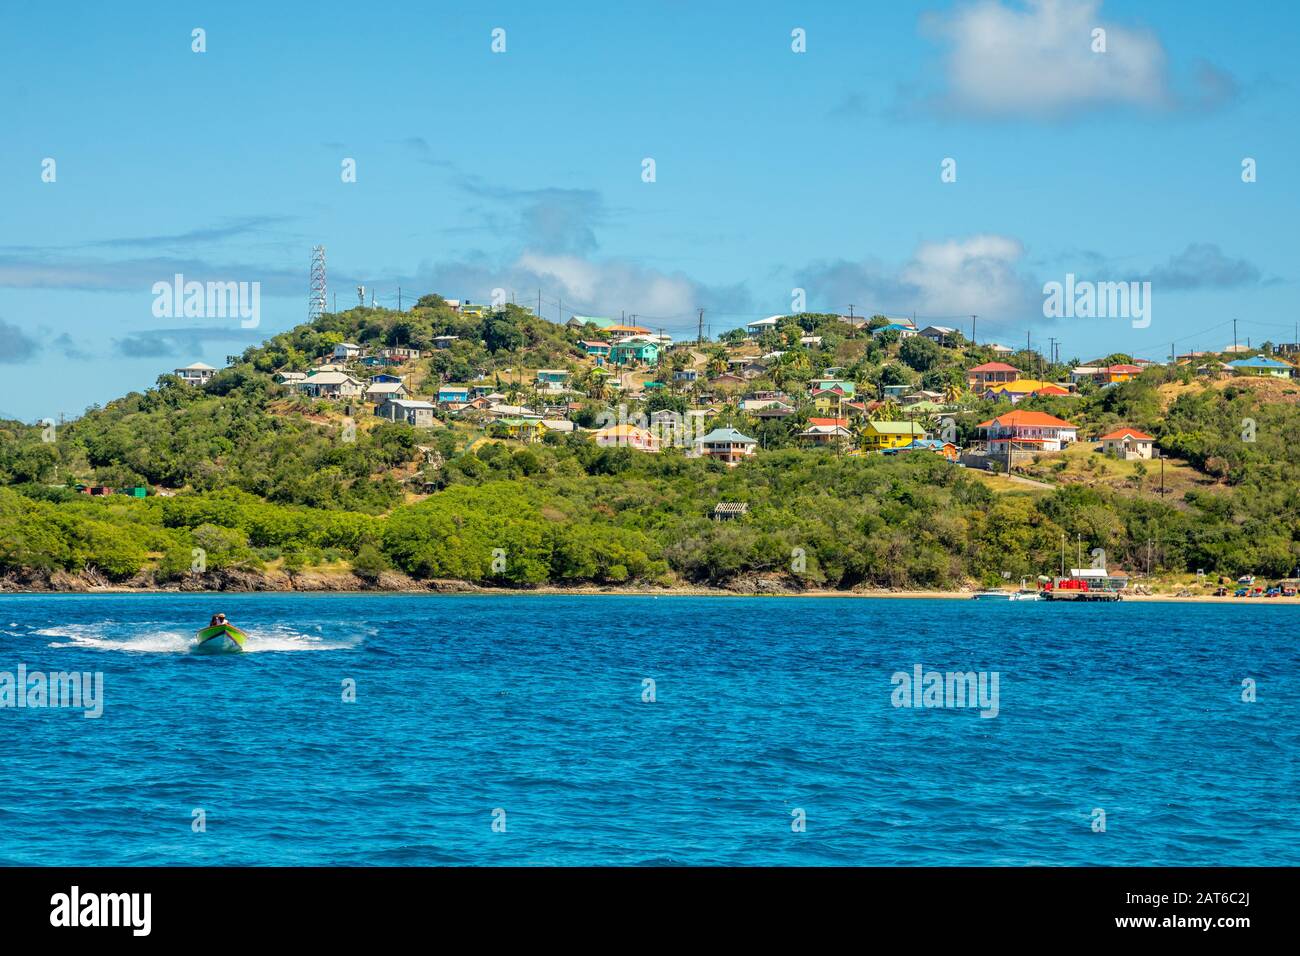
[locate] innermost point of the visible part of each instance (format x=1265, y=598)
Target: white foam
x=145, y=639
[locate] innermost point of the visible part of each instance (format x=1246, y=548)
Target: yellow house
x=828, y=400
x=877, y=436
x=524, y=429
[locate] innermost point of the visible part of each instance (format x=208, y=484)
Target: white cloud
x=1036, y=58
x=587, y=280
x=977, y=274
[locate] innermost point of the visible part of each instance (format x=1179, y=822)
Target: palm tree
x=952, y=393
x=887, y=411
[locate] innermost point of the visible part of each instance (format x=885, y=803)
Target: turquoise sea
x=506, y=729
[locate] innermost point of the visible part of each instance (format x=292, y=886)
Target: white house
x=759, y=326
x=1028, y=431
x=331, y=385
x=195, y=374
x=346, y=351
x=1128, y=444
x=726, y=445
x=380, y=392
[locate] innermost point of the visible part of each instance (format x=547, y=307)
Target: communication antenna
x=361, y=295
x=316, y=300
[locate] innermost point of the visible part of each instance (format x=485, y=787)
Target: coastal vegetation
x=248, y=476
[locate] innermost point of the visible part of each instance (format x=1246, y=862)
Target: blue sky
x=522, y=170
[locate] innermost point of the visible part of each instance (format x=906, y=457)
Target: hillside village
x=374, y=447
x=782, y=381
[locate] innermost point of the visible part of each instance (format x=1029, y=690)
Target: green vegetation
x=253, y=477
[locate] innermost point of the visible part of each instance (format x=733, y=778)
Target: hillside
x=253, y=483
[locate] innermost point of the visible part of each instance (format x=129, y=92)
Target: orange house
x=1120, y=373
x=981, y=377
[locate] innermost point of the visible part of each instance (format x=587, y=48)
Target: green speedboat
x=220, y=639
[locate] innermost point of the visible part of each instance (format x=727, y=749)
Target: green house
x=630, y=353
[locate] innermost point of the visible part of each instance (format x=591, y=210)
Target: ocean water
x=530, y=711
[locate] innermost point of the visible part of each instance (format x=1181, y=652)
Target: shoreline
x=443, y=588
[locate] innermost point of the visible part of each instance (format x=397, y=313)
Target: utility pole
x=699, y=332
x=972, y=328
x=1234, y=335
x=399, y=298
x=1062, y=554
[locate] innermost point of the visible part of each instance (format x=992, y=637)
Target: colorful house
x=453, y=393
x=904, y=331
x=726, y=445
x=1028, y=431
x=618, y=330
x=1120, y=373
x=1261, y=366
x=1128, y=444
x=600, y=350
x=826, y=431
x=844, y=385
x=1022, y=387
x=524, y=429
x=878, y=436
x=982, y=377
x=632, y=353
x=599, y=321
x=552, y=376
x=828, y=400
x=946, y=449
x=627, y=436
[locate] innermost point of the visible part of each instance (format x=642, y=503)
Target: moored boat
x=220, y=639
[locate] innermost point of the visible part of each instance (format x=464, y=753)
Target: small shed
x=728, y=510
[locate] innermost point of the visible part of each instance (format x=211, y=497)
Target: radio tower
x=316, y=301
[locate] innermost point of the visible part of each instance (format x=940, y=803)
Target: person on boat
x=217, y=619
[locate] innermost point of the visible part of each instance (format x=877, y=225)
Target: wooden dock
x=1070, y=595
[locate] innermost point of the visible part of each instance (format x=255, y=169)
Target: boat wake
x=145, y=639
